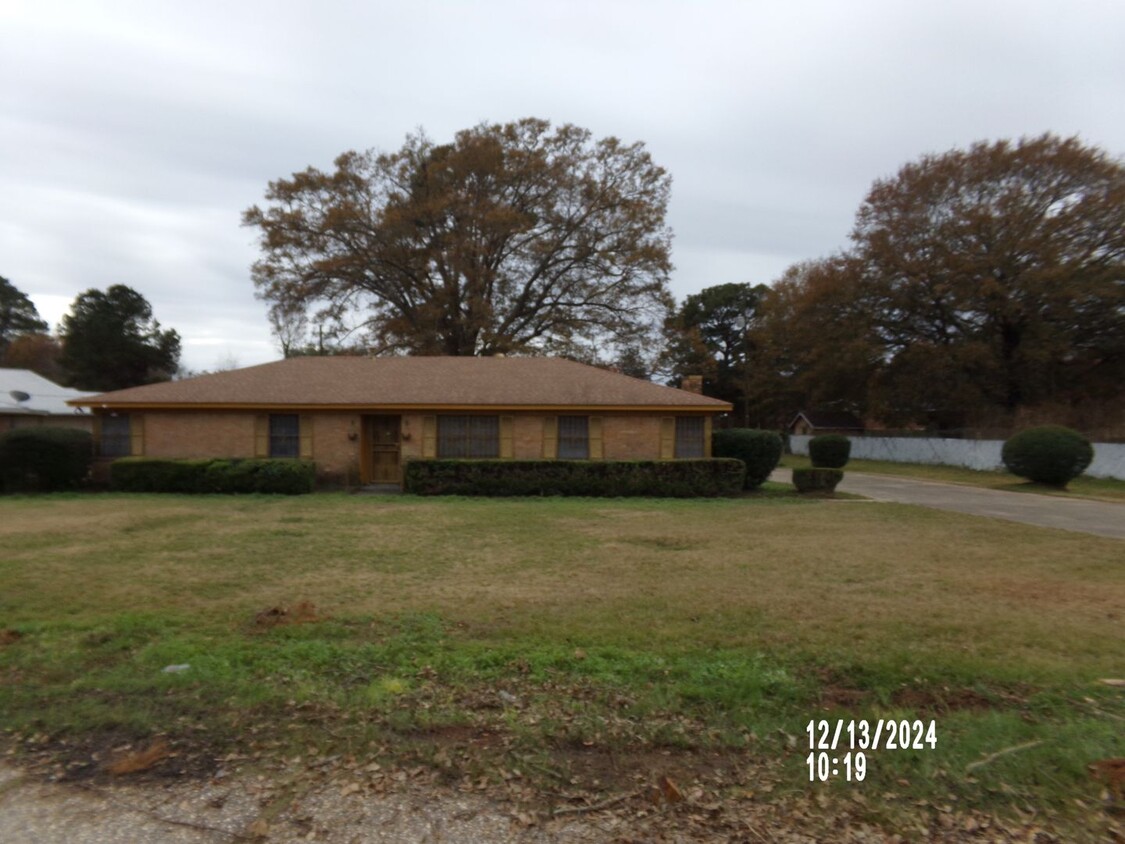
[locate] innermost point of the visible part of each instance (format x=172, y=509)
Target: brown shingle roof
x=411, y=381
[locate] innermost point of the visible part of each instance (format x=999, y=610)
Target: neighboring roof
x=411, y=382
x=839, y=420
x=44, y=397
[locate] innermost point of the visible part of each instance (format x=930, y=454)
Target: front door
x=383, y=456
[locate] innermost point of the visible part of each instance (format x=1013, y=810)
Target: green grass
x=568, y=631
x=1081, y=487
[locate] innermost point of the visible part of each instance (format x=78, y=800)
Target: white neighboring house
x=30, y=399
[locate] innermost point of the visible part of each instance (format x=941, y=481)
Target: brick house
x=360, y=418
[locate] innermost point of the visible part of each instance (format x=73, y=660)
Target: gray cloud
x=133, y=134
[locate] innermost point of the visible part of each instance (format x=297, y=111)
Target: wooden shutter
x=305, y=432
x=707, y=436
x=262, y=435
x=550, y=437
x=136, y=435
x=429, y=436
x=667, y=437
x=507, y=437
x=594, y=438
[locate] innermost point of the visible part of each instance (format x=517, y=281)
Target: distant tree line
x=980, y=285
x=108, y=341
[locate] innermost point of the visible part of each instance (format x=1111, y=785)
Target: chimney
x=692, y=384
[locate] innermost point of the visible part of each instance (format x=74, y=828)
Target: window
x=116, y=436
x=285, y=435
x=689, y=436
x=468, y=436
x=574, y=438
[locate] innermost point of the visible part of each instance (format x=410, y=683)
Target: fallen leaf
x=670, y=790
x=132, y=763
x=258, y=829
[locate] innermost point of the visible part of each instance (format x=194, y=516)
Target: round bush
x=817, y=480
x=830, y=451
x=1050, y=454
x=759, y=450
x=44, y=459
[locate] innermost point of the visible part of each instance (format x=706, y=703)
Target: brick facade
x=338, y=441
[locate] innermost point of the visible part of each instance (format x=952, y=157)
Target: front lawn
x=582, y=648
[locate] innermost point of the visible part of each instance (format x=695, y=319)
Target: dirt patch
x=304, y=612
x=944, y=699
x=9, y=636
x=108, y=754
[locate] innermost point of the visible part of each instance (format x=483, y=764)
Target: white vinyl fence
x=1109, y=458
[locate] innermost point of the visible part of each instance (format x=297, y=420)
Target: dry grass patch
x=811, y=576
x=621, y=628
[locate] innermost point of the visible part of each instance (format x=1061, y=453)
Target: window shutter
x=507, y=437
x=667, y=437
x=262, y=435
x=597, y=450
x=550, y=437
x=707, y=436
x=429, y=436
x=136, y=435
x=97, y=432
x=305, y=432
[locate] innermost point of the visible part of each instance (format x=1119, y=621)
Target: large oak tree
x=513, y=238
x=996, y=276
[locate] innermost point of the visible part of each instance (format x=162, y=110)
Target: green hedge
x=1049, y=454
x=759, y=450
x=830, y=451
x=817, y=480
x=610, y=478
x=143, y=474
x=44, y=459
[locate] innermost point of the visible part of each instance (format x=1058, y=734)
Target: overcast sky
x=134, y=134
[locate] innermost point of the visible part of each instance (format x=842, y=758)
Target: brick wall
x=635, y=436
x=201, y=434
x=337, y=438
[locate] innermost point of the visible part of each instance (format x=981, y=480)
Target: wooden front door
x=383, y=453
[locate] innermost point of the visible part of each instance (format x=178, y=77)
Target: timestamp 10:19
x=823, y=767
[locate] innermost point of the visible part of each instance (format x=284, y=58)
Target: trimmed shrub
x=663, y=479
x=817, y=480
x=830, y=451
x=759, y=450
x=1050, y=454
x=276, y=476
x=44, y=459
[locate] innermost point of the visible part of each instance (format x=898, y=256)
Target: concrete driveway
x=1085, y=516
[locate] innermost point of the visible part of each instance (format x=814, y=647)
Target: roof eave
x=717, y=407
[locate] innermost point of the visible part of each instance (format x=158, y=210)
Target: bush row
x=665, y=479
x=143, y=474
x=44, y=459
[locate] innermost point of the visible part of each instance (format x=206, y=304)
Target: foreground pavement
x=1100, y=518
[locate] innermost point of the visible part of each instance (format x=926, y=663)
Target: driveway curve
x=1083, y=515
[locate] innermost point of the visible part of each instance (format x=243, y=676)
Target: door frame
x=367, y=447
